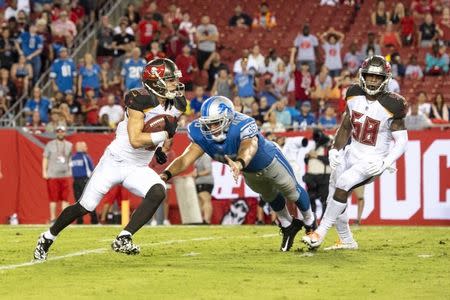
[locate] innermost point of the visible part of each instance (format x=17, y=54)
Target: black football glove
x=161, y=157
x=170, y=127
x=169, y=103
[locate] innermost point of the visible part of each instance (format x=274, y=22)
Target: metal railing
x=83, y=43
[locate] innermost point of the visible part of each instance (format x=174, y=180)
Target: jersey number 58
x=365, y=133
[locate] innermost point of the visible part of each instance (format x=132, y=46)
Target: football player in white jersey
x=374, y=117
x=125, y=161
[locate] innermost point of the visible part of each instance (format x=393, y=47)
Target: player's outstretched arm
x=343, y=132
x=139, y=139
x=400, y=135
x=246, y=152
x=181, y=163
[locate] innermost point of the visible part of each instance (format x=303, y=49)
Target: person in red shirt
x=187, y=63
x=155, y=52
x=90, y=107
x=422, y=7
x=147, y=29
x=444, y=25
x=407, y=28
x=304, y=84
x=175, y=41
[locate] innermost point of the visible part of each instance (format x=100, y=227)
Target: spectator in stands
x=155, y=51
x=328, y=119
x=204, y=183
x=7, y=87
x=110, y=79
x=8, y=50
x=393, y=85
x=207, y=37
x=35, y=126
x=64, y=30
x=371, y=47
x=90, y=108
x=39, y=104
x=439, y=109
x=31, y=45
x=256, y=60
x=269, y=92
x=213, y=65
x=114, y=111
x=55, y=121
x=332, y=45
x=74, y=104
x=21, y=74
x=77, y=13
x=223, y=85
x=187, y=64
x=123, y=22
x=147, y=30
x=89, y=76
x=264, y=18
x=13, y=28
x=153, y=8
x=264, y=106
x=306, y=117
x=380, y=16
x=444, y=25
x=352, y=59
x=398, y=69
x=413, y=69
x=280, y=78
x=172, y=16
x=3, y=106
x=12, y=10
x=133, y=16
x=428, y=32
x=304, y=84
x=123, y=41
x=436, y=62
x=407, y=28
x=390, y=38
x=240, y=19
x=175, y=41
x=187, y=26
x=237, y=66
x=256, y=114
x=271, y=124
x=274, y=62
x=306, y=45
x=238, y=105
x=415, y=120
x=65, y=114
x=423, y=105
x=56, y=170
x=197, y=101
x=132, y=70
x=104, y=38
x=47, y=55
x=323, y=84
x=398, y=14
x=282, y=114
x=423, y=7
x=245, y=84
x=63, y=72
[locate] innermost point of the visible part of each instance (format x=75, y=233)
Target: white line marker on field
x=191, y=254
x=425, y=255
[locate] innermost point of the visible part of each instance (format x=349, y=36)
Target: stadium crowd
x=303, y=87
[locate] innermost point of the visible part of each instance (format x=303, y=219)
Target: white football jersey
x=371, y=121
x=139, y=99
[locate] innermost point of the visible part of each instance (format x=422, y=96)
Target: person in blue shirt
x=131, y=71
x=37, y=103
x=245, y=83
x=82, y=167
x=89, y=76
x=328, y=119
x=306, y=117
x=31, y=46
x=233, y=138
x=197, y=101
x=63, y=72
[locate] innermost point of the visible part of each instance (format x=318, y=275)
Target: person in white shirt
x=256, y=59
x=306, y=45
x=114, y=111
x=393, y=86
x=332, y=45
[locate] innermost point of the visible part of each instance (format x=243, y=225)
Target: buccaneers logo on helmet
x=161, y=77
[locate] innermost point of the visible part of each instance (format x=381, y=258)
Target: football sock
x=147, y=208
x=343, y=229
x=308, y=217
x=124, y=232
x=67, y=216
x=334, y=209
x=49, y=236
x=279, y=207
x=303, y=203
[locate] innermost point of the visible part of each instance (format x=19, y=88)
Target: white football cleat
x=343, y=246
x=313, y=240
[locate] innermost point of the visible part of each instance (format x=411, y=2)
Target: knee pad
x=156, y=193
x=340, y=195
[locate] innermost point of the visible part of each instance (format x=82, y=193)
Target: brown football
x=157, y=123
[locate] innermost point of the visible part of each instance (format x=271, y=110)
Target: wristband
x=158, y=137
x=168, y=174
x=241, y=161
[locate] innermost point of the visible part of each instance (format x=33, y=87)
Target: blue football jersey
x=241, y=128
x=132, y=71
x=64, y=72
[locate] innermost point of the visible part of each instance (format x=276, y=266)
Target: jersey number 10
x=367, y=132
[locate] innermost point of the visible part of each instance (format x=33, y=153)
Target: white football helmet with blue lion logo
x=217, y=113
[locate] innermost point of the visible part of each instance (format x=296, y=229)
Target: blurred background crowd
x=285, y=63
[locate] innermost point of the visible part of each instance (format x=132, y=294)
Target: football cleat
x=124, y=244
x=312, y=240
x=343, y=246
x=310, y=228
x=41, y=251
x=289, y=234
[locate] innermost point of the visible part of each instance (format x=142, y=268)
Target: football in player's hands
x=159, y=123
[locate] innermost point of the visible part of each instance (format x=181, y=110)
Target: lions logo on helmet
x=217, y=113
x=375, y=65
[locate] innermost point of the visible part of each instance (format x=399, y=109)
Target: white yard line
x=102, y=250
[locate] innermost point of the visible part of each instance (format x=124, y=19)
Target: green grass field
x=202, y=262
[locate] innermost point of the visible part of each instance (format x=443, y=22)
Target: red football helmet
x=161, y=77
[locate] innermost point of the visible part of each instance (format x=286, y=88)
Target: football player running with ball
x=125, y=161
x=233, y=138
x=374, y=117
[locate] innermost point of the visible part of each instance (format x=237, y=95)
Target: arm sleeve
x=249, y=130
x=400, y=146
